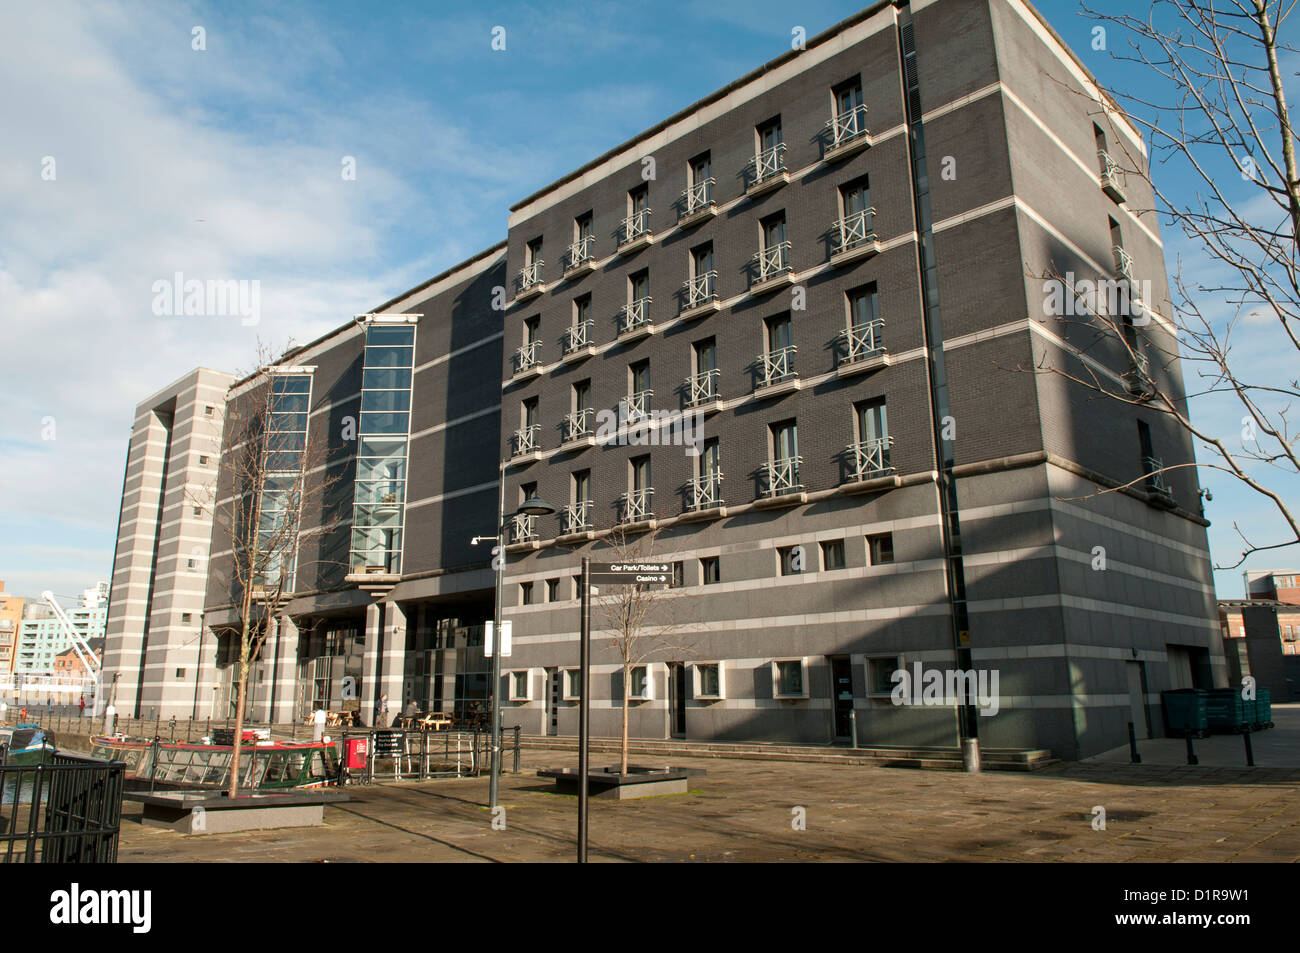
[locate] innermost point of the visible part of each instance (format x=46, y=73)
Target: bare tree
x=269, y=477
x=1214, y=114
x=635, y=615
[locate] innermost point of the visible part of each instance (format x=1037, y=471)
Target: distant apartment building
x=160, y=558
x=11, y=617
x=43, y=637
x=788, y=338
x=1261, y=633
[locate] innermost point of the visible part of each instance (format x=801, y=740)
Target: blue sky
x=227, y=162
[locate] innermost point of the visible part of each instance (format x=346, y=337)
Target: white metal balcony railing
x=773, y=260
x=577, y=517
x=636, y=314
x=581, y=252
x=778, y=365
x=855, y=230
x=636, y=505
x=528, y=356
x=699, y=195
x=862, y=341
x=848, y=126
x=578, y=336
x=1155, y=477
x=523, y=527
x=530, y=276
x=526, y=440
x=1111, y=174
x=701, y=289
x=782, y=476
x=870, y=458
x=706, y=491
x=768, y=164
x=702, y=388
x=577, y=425
x=635, y=226
x=1123, y=262
x=638, y=404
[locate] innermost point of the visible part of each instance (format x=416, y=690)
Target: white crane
x=79, y=645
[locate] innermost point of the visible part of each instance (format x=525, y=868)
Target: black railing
x=66, y=809
x=414, y=755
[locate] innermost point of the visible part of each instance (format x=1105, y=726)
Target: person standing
x=381, y=711
x=82, y=706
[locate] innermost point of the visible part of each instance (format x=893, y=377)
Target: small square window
x=180, y=673
x=209, y=410
x=832, y=554
x=198, y=511
x=881, y=548
x=789, y=679
x=640, y=685
x=572, y=684
x=708, y=680
x=711, y=570
x=525, y=593
x=186, y=617
x=880, y=675
x=191, y=564
x=552, y=590
x=203, y=459
x=792, y=560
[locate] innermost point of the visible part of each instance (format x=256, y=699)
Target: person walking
x=82, y=706
x=381, y=711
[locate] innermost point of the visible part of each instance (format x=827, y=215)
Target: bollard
x=1250, y=750
x=1191, y=752
x=853, y=727
x=970, y=755
x=1134, y=757
x=516, y=771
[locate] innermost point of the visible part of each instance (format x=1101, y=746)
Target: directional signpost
x=607, y=574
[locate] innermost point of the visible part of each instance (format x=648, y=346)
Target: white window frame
x=695, y=682
x=803, y=679
x=570, y=690
x=649, y=694
x=898, y=661
x=528, y=683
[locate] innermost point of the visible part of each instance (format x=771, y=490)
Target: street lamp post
x=530, y=507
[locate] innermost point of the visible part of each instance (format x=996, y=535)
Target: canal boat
x=24, y=743
x=266, y=766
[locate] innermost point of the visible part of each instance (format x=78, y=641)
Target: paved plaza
x=744, y=811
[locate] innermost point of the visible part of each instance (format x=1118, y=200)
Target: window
x=640, y=685
x=769, y=135
x=203, y=460
x=186, y=617
x=521, y=686
x=577, y=587
x=572, y=684
x=525, y=593
x=640, y=473
x=582, y=309
x=699, y=190
x=532, y=329
x=209, y=410
x=638, y=199
x=582, y=228
x=780, y=333
x=706, y=356
x=880, y=675
x=198, y=511
x=679, y=575
x=711, y=570
x=191, y=564
x=533, y=252
x=880, y=548
x=582, y=395
x=789, y=679
x=832, y=554
x=848, y=97
x=708, y=680
x=180, y=673
x=792, y=560
x=552, y=590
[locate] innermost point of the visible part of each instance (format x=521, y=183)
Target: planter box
x=640, y=781
x=207, y=812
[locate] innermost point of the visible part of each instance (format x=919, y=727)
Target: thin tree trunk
x=237, y=743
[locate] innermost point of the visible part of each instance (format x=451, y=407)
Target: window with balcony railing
x=578, y=336
x=848, y=125
x=577, y=424
x=638, y=403
x=701, y=289
x=702, y=388
x=772, y=261
x=1155, y=477
x=855, y=230
x=1123, y=262
x=861, y=342
x=636, y=314
x=1112, y=177
x=699, y=195
x=528, y=356
x=778, y=365
x=768, y=164
x=636, y=505
x=781, y=476
x=581, y=252
x=636, y=225
x=527, y=439
x=523, y=528
x=705, y=491
x=869, y=459
x=530, y=276
x=577, y=516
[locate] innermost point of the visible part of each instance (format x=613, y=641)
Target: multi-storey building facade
x=11, y=617
x=840, y=260
x=160, y=561
x=797, y=341
x=41, y=640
